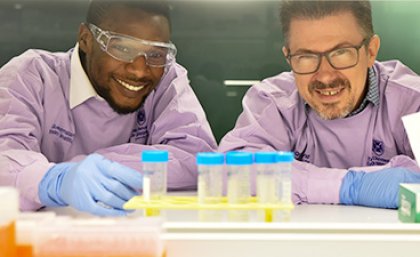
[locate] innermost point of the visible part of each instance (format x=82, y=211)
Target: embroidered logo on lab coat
x=378, y=147
x=141, y=117
x=302, y=156
x=61, y=133
x=375, y=161
x=140, y=132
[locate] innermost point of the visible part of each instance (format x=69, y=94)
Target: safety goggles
x=127, y=49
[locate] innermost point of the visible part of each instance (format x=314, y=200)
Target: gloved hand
x=375, y=189
x=96, y=185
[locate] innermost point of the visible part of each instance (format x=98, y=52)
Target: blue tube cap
x=285, y=157
x=154, y=156
x=238, y=158
x=210, y=158
x=265, y=157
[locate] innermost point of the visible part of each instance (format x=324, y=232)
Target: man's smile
x=129, y=86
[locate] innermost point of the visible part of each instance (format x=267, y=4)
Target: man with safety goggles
x=74, y=124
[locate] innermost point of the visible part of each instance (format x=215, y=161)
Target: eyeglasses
x=127, y=49
x=340, y=59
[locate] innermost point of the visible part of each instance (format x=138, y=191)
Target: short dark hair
x=316, y=9
x=99, y=9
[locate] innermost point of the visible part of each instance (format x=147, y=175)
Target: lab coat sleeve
x=22, y=164
x=178, y=125
x=311, y=184
x=261, y=127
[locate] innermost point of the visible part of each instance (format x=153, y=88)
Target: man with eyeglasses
x=339, y=110
x=73, y=125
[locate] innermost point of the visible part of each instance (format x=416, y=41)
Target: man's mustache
x=317, y=85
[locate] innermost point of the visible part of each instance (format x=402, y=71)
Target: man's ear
x=85, y=38
x=285, y=53
x=373, y=49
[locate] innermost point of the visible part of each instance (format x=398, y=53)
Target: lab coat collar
x=80, y=87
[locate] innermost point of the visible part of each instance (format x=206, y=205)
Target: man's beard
x=105, y=94
x=329, y=111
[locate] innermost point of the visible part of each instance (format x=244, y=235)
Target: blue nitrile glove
x=96, y=185
x=375, y=189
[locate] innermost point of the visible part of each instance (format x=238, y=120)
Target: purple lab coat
x=275, y=117
x=38, y=128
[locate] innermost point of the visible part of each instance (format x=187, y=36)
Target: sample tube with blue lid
x=284, y=162
x=267, y=174
x=155, y=166
x=238, y=189
x=210, y=184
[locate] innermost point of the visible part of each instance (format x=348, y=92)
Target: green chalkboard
x=216, y=40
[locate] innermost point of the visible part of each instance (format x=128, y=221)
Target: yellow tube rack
x=152, y=207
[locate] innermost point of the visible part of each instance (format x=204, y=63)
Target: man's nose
x=139, y=66
x=326, y=72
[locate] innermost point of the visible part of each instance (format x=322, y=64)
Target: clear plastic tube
x=210, y=184
x=267, y=174
x=155, y=166
x=284, y=160
x=238, y=191
x=284, y=189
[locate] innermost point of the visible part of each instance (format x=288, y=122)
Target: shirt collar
x=372, y=94
x=80, y=87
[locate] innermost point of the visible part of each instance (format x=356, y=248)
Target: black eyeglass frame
x=364, y=42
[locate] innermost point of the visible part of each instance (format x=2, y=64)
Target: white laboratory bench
x=314, y=230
